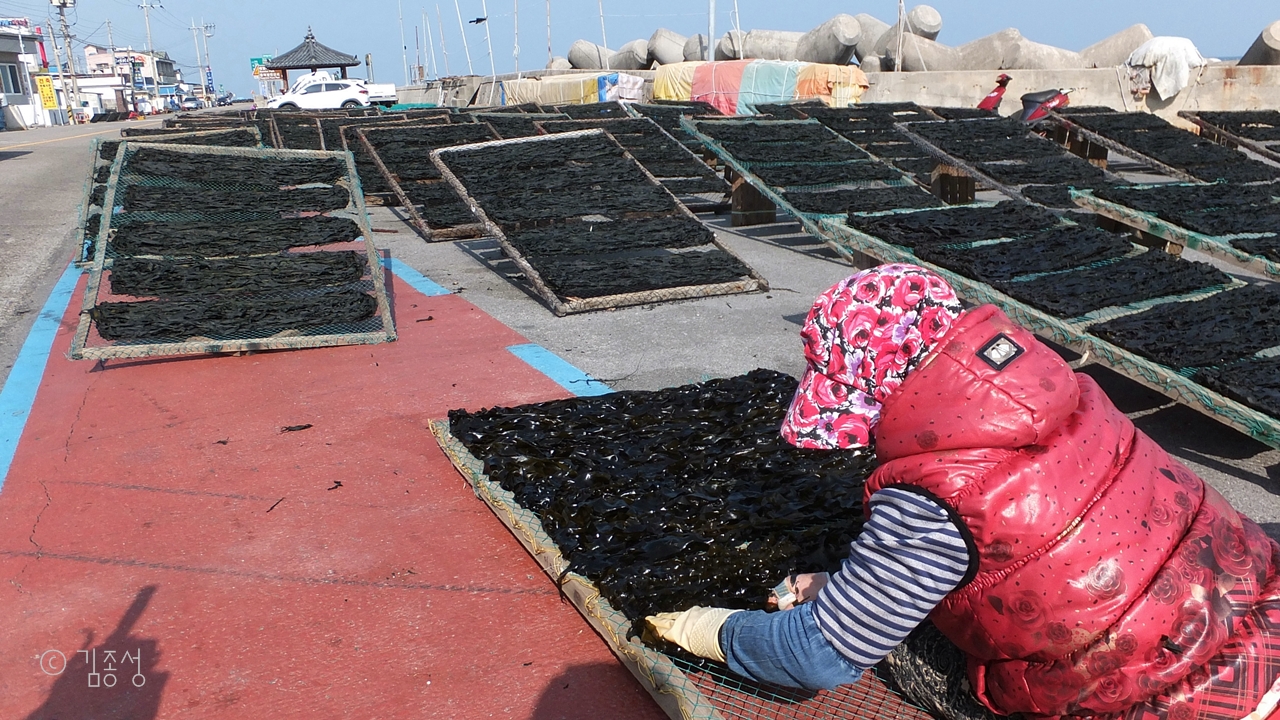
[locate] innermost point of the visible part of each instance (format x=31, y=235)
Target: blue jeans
x=784, y=648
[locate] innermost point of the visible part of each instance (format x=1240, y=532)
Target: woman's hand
x=801, y=589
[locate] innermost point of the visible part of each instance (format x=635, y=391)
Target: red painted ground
x=135, y=518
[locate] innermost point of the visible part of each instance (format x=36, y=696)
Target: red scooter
x=1036, y=105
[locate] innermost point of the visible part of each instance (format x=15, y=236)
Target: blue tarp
x=767, y=81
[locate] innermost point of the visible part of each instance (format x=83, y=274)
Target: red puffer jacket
x=1111, y=579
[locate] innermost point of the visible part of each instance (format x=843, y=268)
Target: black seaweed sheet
x=765, y=131
x=237, y=170
x=588, y=238
x=230, y=317
x=1065, y=169
x=1221, y=328
x=223, y=239
x=676, y=497
x=145, y=277
x=838, y=202
x=559, y=177
x=773, y=152
x=956, y=225
x=152, y=198
x=798, y=174
x=1268, y=247
x=575, y=276
x=441, y=207
x=1254, y=382
x=1261, y=125
x=1151, y=275
x=1058, y=248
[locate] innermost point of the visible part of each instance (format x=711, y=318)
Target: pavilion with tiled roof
x=313, y=56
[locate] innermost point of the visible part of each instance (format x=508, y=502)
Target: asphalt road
x=645, y=347
x=43, y=173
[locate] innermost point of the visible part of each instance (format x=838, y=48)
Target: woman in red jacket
x=1083, y=571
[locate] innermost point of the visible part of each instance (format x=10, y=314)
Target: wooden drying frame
x=562, y=307
x=416, y=220
x=355, y=210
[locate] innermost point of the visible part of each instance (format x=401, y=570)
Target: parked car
x=192, y=103
x=324, y=95
x=224, y=100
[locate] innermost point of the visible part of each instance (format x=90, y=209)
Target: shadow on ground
x=115, y=678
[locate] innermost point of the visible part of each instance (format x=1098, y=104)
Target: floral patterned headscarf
x=861, y=339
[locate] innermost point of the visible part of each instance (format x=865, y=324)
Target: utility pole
x=417, y=55
x=404, y=49
x=550, y=55
x=209, y=29
x=463, y=30
x=62, y=73
x=151, y=51
x=444, y=49
x=711, y=30
x=603, y=38
x=66, y=43
x=902, y=26
x=196, y=30
x=516, y=50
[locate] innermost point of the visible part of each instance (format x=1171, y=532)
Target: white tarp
x=1170, y=60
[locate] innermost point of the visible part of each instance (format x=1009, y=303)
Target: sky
x=247, y=29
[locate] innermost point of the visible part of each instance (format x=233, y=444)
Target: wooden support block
x=750, y=207
x=953, y=185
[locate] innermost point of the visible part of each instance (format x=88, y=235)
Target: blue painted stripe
x=416, y=280
x=19, y=392
x=553, y=366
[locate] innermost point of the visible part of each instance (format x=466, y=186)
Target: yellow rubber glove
x=696, y=629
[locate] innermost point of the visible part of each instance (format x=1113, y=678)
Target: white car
x=323, y=96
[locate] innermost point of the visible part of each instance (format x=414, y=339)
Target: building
x=22, y=57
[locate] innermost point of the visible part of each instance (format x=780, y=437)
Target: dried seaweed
x=1219, y=209
x=298, y=134
x=1261, y=125
x=441, y=207
x=1064, y=169
x=761, y=132
x=694, y=186
x=962, y=113
x=572, y=276
x=919, y=168
x=150, y=198
x=224, y=239
x=1054, y=196
x=145, y=277
x=1223, y=327
x=1268, y=247
x=98, y=195
x=259, y=172
x=331, y=128
x=1058, y=248
x=897, y=150
x=798, y=174
x=559, y=177
x=611, y=109
x=229, y=317
x=1151, y=275
x=675, y=497
x=930, y=671
x=597, y=238
x=784, y=152
x=107, y=149
x=231, y=137
x=1254, y=382
x=102, y=174
x=517, y=125
x=406, y=150
x=838, y=202
x=956, y=225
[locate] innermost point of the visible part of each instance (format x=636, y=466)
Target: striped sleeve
x=911, y=553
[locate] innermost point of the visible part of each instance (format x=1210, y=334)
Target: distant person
x=1082, y=570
